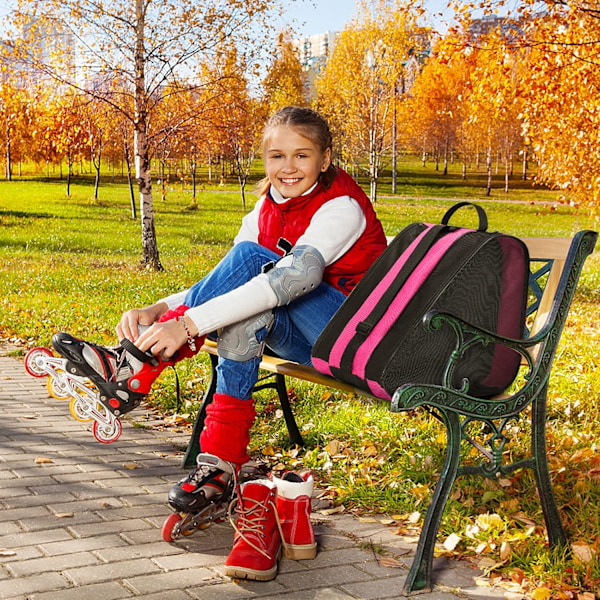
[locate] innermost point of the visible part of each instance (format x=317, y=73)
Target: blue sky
x=318, y=16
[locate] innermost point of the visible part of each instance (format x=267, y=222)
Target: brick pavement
x=80, y=520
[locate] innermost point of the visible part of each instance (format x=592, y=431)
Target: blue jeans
x=296, y=326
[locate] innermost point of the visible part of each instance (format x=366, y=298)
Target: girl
x=308, y=241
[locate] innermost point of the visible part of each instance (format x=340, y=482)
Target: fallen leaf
x=40, y=460
x=486, y=563
x=332, y=511
x=391, y=563
x=414, y=517
x=367, y=520
x=333, y=447
x=482, y=547
x=66, y=515
x=582, y=552
x=131, y=466
x=29, y=417
x=7, y=552
x=505, y=551
x=490, y=521
x=541, y=593
x=370, y=450
x=452, y=541
x=523, y=518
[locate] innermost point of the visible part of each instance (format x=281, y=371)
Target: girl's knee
x=246, y=249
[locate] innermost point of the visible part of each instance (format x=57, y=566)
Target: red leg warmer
x=185, y=351
x=227, y=426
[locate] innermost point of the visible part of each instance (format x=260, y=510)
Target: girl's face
x=293, y=163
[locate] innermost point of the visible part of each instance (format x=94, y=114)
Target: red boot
x=293, y=508
x=257, y=542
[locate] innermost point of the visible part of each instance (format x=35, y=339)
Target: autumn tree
x=145, y=43
x=435, y=109
x=561, y=113
x=285, y=82
x=69, y=131
x=15, y=121
x=357, y=90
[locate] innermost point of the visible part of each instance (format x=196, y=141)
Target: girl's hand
x=163, y=338
x=132, y=319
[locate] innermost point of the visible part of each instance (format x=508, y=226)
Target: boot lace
x=252, y=519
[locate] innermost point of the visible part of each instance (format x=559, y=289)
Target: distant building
x=313, y=52
x=509, y=28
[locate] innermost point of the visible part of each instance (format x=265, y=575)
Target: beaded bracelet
x=190, y=339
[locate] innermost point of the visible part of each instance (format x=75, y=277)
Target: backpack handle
x=483, y=221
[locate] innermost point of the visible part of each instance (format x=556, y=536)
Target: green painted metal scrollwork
x=459, y=411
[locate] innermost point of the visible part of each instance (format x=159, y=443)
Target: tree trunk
x=489, y=171
x=69, y=165
x=525, y=158
x=394, y=145
x=97, y=164
x=8, y=157
x=446, y=157
x=130, y=184
x=150, y=257
x=193, y=173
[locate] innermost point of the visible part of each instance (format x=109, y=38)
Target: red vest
x=290, y=220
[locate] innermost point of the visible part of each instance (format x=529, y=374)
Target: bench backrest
x=547, y=258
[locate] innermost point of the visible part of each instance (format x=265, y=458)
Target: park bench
x=555, y=267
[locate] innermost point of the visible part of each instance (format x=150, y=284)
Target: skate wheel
x=56, y=389
x=169, y=527
x=32, y=360
x=107, y=434
x=78, y=411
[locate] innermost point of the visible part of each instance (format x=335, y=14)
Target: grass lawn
x=73, y=264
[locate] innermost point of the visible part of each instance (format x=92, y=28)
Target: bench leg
x=556, y=532
x=293, y=433
x=193, y=449
x=419, y=576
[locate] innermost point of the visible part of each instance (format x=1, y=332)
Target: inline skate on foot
x=104, y=383
x=202, y=498
x=83, y=394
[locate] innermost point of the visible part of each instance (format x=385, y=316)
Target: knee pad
x=296, y=274
x=238, y=342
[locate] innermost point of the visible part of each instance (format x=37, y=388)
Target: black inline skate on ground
x=204, y=495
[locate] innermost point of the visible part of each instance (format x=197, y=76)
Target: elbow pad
x=296, y=274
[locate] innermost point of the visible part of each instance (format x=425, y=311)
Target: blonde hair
x=309, y=124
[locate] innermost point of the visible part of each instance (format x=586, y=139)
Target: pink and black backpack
x=376, y=341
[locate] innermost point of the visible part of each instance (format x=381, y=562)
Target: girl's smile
x=293, y=163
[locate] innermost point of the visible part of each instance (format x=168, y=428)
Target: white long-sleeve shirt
x=333, y=230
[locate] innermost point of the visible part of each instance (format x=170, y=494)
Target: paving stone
x=82, y=545
x=326, y=576
x=104, y=591
x=152, y=550
x=188, y=578
x=190, y=561
x=52, y=563
x=29, y=585
x=103, y=527
x=111, y=571
x=34, y=538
